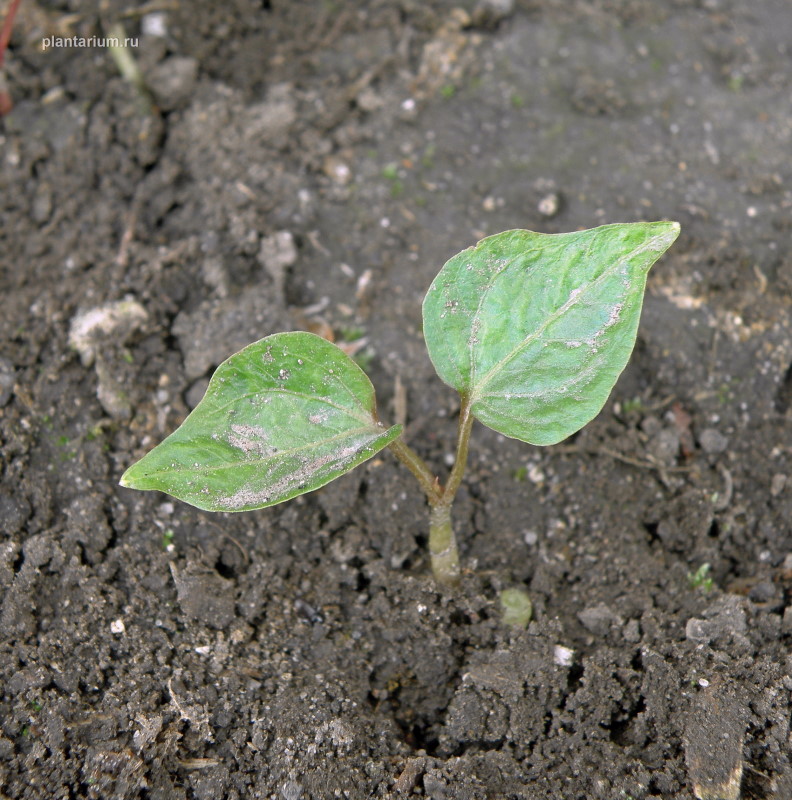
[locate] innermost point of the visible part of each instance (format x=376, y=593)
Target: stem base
x=442, y=546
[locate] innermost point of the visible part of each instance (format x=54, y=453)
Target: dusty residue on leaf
x=319, y=469
x=251, y=439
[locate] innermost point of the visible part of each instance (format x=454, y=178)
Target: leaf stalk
x=460, y=461
x=419, y=469
x=443, y=549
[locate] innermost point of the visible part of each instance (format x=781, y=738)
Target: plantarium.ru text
x=532, y=330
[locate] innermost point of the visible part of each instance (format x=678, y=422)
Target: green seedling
x=351, y=333
x=701, y=578
x=391, y=173
x=129, y=68
x=532, y=330
x=516, y=608
x=633, y=406
x=520, y=474
x=167, y=538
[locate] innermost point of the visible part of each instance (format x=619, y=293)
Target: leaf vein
x=550, y=319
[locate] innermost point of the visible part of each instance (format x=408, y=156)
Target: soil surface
x=311, y=165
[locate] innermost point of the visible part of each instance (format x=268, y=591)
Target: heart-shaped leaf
x=282, y=417
x=534, y=329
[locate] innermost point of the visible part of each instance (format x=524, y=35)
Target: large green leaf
x=535, y=328
x=282, y=417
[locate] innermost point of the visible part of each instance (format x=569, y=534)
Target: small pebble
x=549, y=205
x=632, y=632
x=173, y=81
x=651, y=425
x=155, y=24
x=712, y=441
x=291, y=790
x=777, y=484
x=724, y=617
x=563, y=656
x=763, y=592
x=337, y=170
x=598, y=619
x=664, y=446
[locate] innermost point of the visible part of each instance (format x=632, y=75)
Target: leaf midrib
x=374, y=433
x=476, y=391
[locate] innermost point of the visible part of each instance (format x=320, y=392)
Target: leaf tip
x=668, y=232
x=127, y=480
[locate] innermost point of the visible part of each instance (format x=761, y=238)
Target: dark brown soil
x=311, y=165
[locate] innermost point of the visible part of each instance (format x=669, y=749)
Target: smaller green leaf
x=534, y=329
x=282, y=417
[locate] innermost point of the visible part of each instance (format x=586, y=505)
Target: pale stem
x=442, y=541
x=442, y=546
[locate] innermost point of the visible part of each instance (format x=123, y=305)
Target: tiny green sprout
x=725, y=394
x=701, y=579
x=64, y=443
x=428, y=157
x=167, y=539
x=93, y=433
x=351, y=333
x=532, y=330
x=520, y=474
x=516, y=608
x=390, y=171
x=633, y=406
